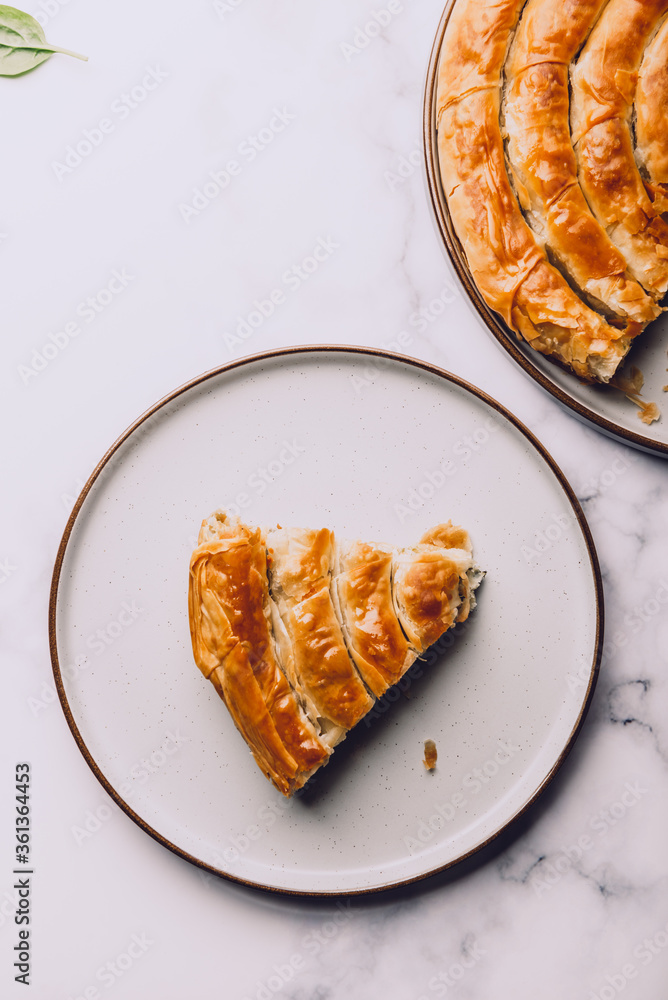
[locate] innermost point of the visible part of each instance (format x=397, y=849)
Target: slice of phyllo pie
x=300, y=634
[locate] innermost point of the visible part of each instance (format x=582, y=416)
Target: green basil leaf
x=23, y=45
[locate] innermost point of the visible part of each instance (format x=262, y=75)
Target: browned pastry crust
x=509, y=268
x=268, y=635
x=505, y=260
x=603, y=88
x=474, y=48
x=543, y=164
x=448, y=536
x=425, y=587
x=379, y=648
x=651, y=126
x=230, y=623
x=430, y=585
x=320, y=670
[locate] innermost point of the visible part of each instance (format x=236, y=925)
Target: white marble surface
x=533, y=916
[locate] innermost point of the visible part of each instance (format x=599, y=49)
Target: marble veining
x=571, y=902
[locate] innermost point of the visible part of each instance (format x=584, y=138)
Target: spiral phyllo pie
x=534, y=111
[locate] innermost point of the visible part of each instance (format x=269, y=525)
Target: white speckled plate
x=604, y=407
x=371, y=445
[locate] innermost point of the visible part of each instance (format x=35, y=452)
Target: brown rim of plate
x=287, y=352
x=505, y=337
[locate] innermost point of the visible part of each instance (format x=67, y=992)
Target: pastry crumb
x=649, y=412
x=630, y=384
x=430, y=755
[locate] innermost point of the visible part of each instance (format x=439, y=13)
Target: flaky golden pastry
x=604, y=82
x=651, y=125
x=317, y=661
x=233, y=645
x=431, y=585
x=474, y=49
x=268, y=619
x=379, y=648
x=543, y=166
x=506, y=261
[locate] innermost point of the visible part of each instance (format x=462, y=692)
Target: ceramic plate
x=376, y=447
x=608, y=409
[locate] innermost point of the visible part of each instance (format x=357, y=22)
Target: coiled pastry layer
x=651, y=131
x=543, y=163
x=542, y=251
x=604, y=82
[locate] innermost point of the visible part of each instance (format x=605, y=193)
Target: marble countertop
x=155, y=198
